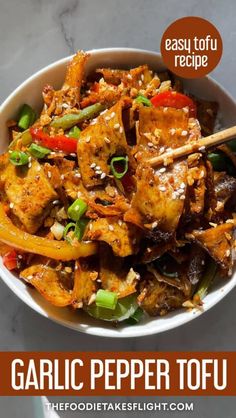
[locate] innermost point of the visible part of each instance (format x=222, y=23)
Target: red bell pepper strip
x=10, y=260
x=176, y=100
x=57, y=142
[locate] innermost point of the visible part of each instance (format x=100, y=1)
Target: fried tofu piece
x=55, y=286
x=98, y=142
x=159, y=198
x=217, y=242
x=162, y=127
x=158, y=297
x=30, y=194
x=116, y=274
x=121, y=236
x=85, y=285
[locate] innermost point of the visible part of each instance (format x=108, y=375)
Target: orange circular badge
x=191, y=47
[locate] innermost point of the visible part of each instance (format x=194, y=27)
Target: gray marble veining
x=34, y=33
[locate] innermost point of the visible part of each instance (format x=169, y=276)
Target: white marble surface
x=34, y=33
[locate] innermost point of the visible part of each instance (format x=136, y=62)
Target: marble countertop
x=34, y=33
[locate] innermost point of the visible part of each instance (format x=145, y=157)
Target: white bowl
x=31, y=92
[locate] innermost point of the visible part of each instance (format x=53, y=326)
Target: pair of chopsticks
x=200, y=145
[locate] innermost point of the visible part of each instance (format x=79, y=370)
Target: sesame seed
x=88, y=139
x=30, y=158
x=30, y=165
x=165, y=109
x=49, y=174
x=182, y=197
x=150, y=144
x=107, y=118
x=103, y=175
x=62, y=177
x=182, y=186
x=154, y=224
x=227, y=253
x=98, y=172
x=30, y=277
x=93, y=165
x=129, y=76
x=107, y=140
x=184, y=133
x=172, y=131
x=55, y=202
x=72, y=154
x=113, y=114
x=120, y=222
x=142, y=77
x=161, y=150
x=162, y=188
x=111, y=228
x=117, y=126
x=78, y=175
x=162, y=170
x=90, y=226
x=185, y=109
x=121, y=130
x=11, y=205
x=202, y=148
x=140, y=83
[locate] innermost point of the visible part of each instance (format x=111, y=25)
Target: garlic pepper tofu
x=30, y=194
x=98, y=142
x=114, y=232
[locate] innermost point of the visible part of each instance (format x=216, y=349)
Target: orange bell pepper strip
x=58, y=250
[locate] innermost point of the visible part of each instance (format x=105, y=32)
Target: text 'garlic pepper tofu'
x=29, y=193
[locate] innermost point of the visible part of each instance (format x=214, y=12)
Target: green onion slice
x=143, y=100
x=67, y=228
x=77, y=209
x=106, y=299
x=74, y=132
x=18, y=158
x=80, y=227
x=27, y=117
x=119, y=166
x=38, y=152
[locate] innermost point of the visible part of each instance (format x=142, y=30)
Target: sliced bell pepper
x=10, y=260
x=57, y=142
x=58, y=250
x=176, y=100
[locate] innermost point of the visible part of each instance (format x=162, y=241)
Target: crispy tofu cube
x=29, y=193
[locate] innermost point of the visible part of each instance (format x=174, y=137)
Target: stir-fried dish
x=86, y=220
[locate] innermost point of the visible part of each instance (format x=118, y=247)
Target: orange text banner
x=119, y=373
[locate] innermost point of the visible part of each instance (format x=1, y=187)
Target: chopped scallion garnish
x=119, y=166
x=18, y=158
x=144, y=100
x=77, y=209
x=80, y=228
x=67, y=228
x=106, y=299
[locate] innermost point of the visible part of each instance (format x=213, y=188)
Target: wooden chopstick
x=200, y=145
